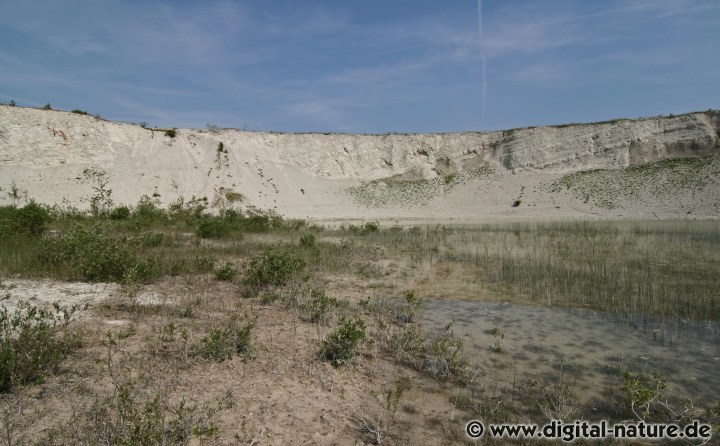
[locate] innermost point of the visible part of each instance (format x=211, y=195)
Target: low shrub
x=27, y=220
x=226, y=342
x=229, y=221
x=499, y=335
x=120, y=213
x=134, y=415
x=274, y=267
x=182, y=210
x=319, y=307
x=342, y=344
x=408, y=344
x=644, y=395
x=371, y=226
x=411, y=310
x=204, y=262
x=307, y=241
x=171, y=132
x=33, y=342
x=226, y=272
x=445, y=356
x=146, y=212
x=213, y=227
x=231, y=215
x=95, y=254
x=255, y=223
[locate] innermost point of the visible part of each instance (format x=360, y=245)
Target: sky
x=370, y=66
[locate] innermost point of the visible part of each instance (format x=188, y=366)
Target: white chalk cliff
x=43, y=154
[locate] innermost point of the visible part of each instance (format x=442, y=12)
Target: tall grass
x=656, y=269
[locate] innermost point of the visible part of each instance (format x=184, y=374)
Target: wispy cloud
x=334, y=64
x=533, y=30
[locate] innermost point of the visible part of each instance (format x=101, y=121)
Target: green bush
x=445, y=359
x=367, y=228
x=411, y=310
x=192, y=209
x=342, y=344
x=95, y=254
x=499, y=335
x=171, y=132
x=408, y=345
x=231, y=215
x=130, y=419
x=255, y=223
x=230, y=220
x=79, y=112
x=204, y=262
x=31, y=344
x=319, y=307
x=307, y=241
x=213, y=227
x=226, y=272
x=134, y=415
x=120, y=213
x=146, y=212
x=274, y=267
x=226, y=342
x=27, y=220
x=371, y=226
x=642, y=394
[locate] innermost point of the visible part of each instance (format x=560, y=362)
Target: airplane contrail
x=483, y=66
x=548, y=22
x=397, y=50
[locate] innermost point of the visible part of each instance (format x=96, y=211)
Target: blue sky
x=365, y=66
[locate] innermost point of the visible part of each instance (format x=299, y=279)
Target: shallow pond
x=587, y=349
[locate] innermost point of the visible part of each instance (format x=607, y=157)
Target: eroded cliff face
x=45, y=152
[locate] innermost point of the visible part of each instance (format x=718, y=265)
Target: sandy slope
x=44, y=153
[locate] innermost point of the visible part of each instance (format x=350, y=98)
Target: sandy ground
x=46, y=292
x=282, y=394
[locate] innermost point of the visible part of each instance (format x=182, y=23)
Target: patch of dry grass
x=148, y=372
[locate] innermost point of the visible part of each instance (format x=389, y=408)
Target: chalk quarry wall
x=44, y=152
